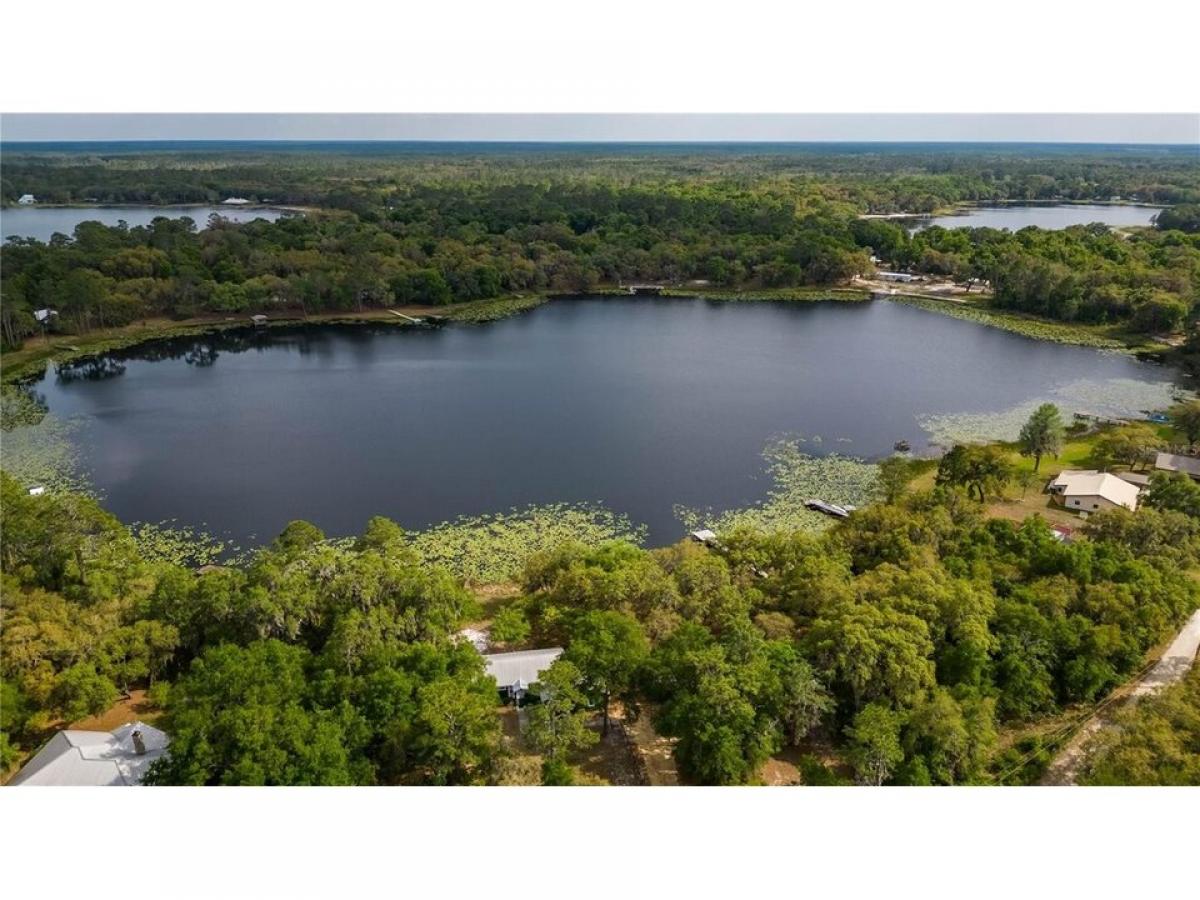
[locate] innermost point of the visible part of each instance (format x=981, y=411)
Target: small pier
x=650, y=289
x=829, y=509
x=410, y=319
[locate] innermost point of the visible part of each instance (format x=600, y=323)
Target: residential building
x=95, y=758
x=1089, y=491
x=515, y=672
x=1173, y=462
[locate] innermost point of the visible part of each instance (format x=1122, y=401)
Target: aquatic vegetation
x=493, y=548
x=20, y=407
x=797, y=477
x=491, y=310
x=183, y=545
x=41, y=449
x=1057, y=332
x=799, y=294
x=1118, y=398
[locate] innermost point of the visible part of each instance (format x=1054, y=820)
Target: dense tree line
x=906, y=636
x=457, y=227
x=1085, y=273
x=873, y=178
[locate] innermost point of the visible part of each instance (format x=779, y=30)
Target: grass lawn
x=1018, y=503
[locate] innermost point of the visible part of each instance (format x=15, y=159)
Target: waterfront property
x=516, y=672
x=1088, y=491
x=119, y=758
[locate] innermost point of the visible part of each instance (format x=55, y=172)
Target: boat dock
x=830, y=509
x=410, y=319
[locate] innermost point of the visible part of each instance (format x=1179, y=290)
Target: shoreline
x=30, y=361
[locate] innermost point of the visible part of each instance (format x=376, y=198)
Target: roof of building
x=1141, y=479
x=94, y=758
x=522, y=668
x=1173, y=462
x=1090, y=483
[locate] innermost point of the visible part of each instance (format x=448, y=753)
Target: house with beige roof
x=1088, y=491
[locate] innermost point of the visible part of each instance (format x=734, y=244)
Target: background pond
x=1050, y=216
x=41, y=222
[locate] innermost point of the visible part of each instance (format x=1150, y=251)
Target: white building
x=515, y=672
x=95, y=758
x=896, y=276
x=235, y=201
x=1090, y=491
x=27, y=199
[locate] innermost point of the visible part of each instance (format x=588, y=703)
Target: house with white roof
x=27, y=199
x=1088, y=491
x=515, y=672
x=118, y=758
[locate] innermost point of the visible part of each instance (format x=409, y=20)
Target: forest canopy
x=420, y=228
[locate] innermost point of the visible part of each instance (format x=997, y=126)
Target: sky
x=1115, y=128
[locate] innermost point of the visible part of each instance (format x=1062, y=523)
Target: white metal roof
x=1089, y=483
x=522, y=668
x=94, y=758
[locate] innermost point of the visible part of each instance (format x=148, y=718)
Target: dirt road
x=1175, y=662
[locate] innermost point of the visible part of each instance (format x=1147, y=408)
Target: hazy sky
x=1067, y=128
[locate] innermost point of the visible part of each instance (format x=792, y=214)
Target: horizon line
x=681, y=141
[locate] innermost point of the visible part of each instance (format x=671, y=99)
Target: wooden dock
x=409, y=319
x=830, y=509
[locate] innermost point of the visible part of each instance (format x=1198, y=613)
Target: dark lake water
x=1051, y=216
x=43, y=221
x=639, y=404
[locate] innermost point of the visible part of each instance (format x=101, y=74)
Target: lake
x=1050, y=216
x=636, y=403
x=41, y=222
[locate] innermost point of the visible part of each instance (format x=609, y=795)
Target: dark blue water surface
x=636, y=403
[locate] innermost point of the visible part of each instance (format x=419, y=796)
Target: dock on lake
x=410, y=319
x=830, y=509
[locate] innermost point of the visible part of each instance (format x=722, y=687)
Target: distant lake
x=1049, y=216
x=41, y=222
x=636, y=403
